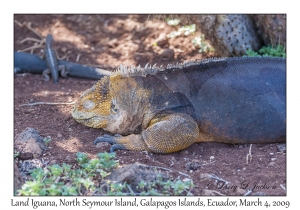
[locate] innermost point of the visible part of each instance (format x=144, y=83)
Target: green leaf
x=56, y=170
x=81, y=158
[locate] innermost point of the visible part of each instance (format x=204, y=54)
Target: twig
x=30, y=39
x=60, y=58
x=78, y=57
x=131, y=191
x=28, y=25
x=31, y=48
x=170, y=170
x=207, y=163
x=46, y=103
x=218, y=193
x=282, y=187
x=249, y=155
x=248, y=192
x=217, y=178
x=41, y=41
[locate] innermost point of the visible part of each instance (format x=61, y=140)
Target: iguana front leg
x=168, y=134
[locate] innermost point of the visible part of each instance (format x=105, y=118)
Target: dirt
x=107, y=41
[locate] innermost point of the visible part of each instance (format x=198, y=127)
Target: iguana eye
x=88, y=104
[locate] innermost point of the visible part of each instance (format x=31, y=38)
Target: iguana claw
x=111, y=140
x=105, y=138
x=117, y=147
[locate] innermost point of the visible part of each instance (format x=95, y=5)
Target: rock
x=184, y=152
x=18, y=179
x=133, y=174
x=162, y=41
x=167, y=54
x=28, y=165
x=271, y=164
x=64, y=49
x=193, y=165
x=102, y=145
x=25, y=156
x=281, y=147
x=68, y=159
x=29, y=141
x=59, y=135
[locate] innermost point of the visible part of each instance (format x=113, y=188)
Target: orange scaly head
x=116, y=104
x=94, y=106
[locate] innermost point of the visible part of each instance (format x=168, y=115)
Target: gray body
x=233, y=100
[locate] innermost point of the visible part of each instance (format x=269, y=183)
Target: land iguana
x=164, y=110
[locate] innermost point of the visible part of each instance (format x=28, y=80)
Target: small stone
x=185, y=152
x=68, y=159
x=273, y=159
x=162, y=42
x=281, y=147
x=59, y=135
x=64, y=49
x=271, y=153
x=148, y=157
x=102, y=144
x=211, y=158
x=31, y=100
x=193, y=165
x=271, y=164
x=167, y=54
x=186, y=180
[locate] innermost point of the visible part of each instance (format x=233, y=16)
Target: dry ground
x=107, y=41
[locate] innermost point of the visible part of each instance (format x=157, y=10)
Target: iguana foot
x=110, y=139
x=117, y=147
x=105, y=138
x=130, y=142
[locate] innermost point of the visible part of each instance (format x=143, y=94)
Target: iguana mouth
x=94, y=122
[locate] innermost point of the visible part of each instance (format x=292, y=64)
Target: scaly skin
x=233, y=100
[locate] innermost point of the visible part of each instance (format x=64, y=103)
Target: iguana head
x=114, y=103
